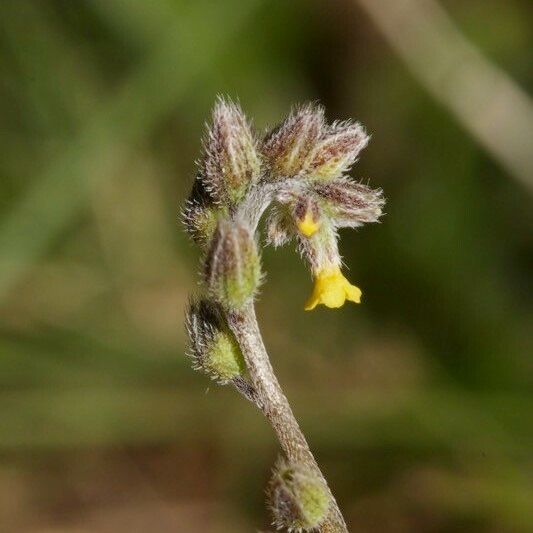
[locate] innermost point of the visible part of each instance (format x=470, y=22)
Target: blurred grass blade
x=185, y=52
x=481, y=96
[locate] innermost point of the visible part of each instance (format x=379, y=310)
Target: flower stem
x=275, y=405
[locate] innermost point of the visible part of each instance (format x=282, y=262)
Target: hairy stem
x=275, y=406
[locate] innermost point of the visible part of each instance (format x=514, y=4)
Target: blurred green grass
x=418, y=402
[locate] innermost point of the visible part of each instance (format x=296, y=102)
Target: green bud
x=297, y=497
x=200, y=214
x=200, y=222
x=288, y=146
x=232, y=269
x=336, y=151
x=348, y=203
x=213, y=346
x=303, y=145
x=231, y=161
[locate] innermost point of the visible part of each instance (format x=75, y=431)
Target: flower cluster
x=312, y=158
x=299, y=172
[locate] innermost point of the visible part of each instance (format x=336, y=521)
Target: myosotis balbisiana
x=296, y=173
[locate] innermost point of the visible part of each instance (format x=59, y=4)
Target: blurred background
x=418, y=403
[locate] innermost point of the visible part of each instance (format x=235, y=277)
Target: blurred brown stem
x=275, y=405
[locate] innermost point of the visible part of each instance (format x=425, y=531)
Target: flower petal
x=332, y=289
x=308, y=226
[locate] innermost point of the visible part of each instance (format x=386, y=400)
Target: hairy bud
x=280, y=227
x=304, y=146
x=288, y=146
x=200, y=215
x=212, y=346
x=336, y=151
x=232, y=270
x=231, y=161
x=200, y=222
x=350, y=204
x=297, y=497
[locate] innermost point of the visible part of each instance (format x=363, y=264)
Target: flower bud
x=213, y=346
x=200, y=222
x=297, y=497
x=231, y=162
x=279, y=226
x=200, y=214
x=232, y=270
x=288, y=146
x=336, y=151
x=348, y=203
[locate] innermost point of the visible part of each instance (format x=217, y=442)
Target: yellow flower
x=332, y=289
x=308, y=226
